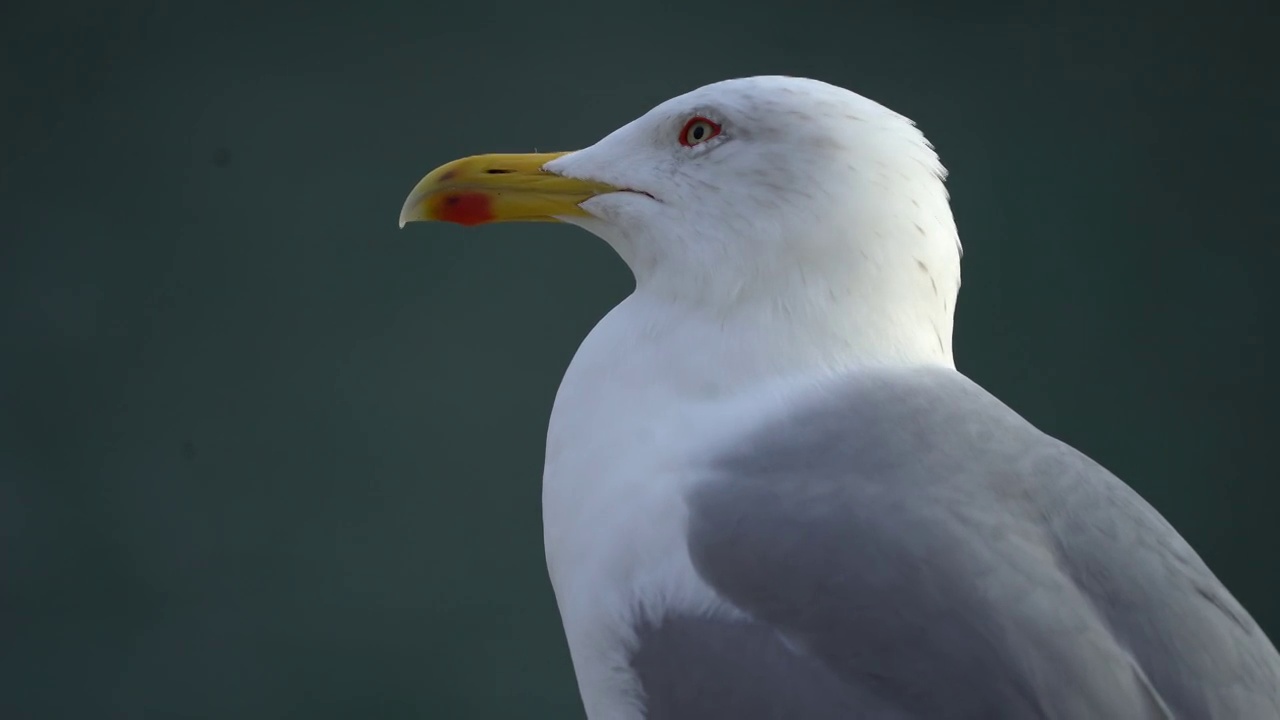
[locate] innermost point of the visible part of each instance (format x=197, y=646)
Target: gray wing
x=909, y=547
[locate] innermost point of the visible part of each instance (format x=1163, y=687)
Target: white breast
x=613, y=514
x=648, y=396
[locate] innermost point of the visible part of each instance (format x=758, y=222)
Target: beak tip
x=410, y=211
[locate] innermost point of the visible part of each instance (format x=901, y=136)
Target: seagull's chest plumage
x=636, y=423
x=620, y=457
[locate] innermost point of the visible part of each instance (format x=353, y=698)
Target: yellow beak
x=498, y=188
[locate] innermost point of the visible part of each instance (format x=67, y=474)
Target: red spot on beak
x=471, y=208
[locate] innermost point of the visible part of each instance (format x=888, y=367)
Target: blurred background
x=263, y=455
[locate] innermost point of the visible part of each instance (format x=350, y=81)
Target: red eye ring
x=698, y=130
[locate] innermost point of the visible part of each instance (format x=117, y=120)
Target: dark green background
x=264, y=455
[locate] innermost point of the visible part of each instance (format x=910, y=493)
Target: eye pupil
x=699, y=131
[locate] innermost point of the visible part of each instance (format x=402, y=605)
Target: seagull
x=768, y=492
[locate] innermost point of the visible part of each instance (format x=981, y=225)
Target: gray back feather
x=942, y=558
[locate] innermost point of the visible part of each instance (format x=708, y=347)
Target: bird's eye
x=698, y=130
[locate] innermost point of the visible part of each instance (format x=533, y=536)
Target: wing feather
x=939, y=557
